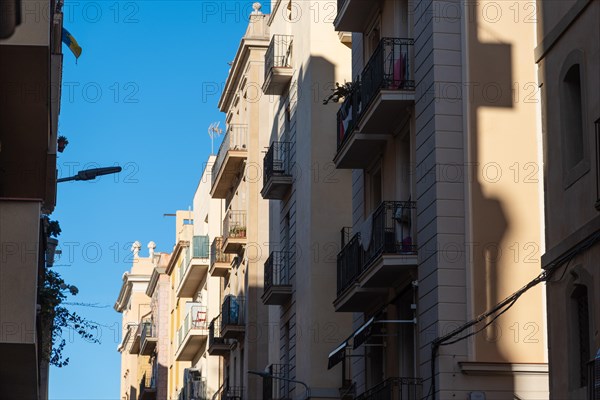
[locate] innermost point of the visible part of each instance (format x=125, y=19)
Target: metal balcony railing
x=277, y=161
x=395, y=388
x=216, y=252
x=277, y=389
x=392, y=232
x=232, y=311
x=234, y=225
x=236, y=138
x=214, y=332
x=389, y=68
x=148, y=331
x=349, y=263
x=279, y=54
x=233, y=393
x=195, y=319
x=277, y=269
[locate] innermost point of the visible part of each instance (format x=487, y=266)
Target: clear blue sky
x=137, y=98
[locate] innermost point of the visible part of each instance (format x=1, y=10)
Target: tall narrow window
x=572, y=116
x=581, y=336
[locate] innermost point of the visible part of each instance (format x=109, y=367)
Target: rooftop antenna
x=214, y=131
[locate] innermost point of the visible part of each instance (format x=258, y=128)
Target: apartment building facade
x=440, y=130
x=309, y=200
x=568, y=57
x=30, y=80
x=239, y=333
x=138, y=370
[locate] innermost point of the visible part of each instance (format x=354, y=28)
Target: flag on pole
x=70, y=41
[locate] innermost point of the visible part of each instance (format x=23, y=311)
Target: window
x=373, y=190
x=581, y=333
x=572, y=115
x=574, y=140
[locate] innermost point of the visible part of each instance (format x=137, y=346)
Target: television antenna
x=214, y=131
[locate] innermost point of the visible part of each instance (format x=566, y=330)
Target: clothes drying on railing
x=366, y=232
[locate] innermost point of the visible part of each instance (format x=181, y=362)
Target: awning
x=367, y=330
x=337, y=355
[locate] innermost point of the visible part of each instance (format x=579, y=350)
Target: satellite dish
x=214, y=131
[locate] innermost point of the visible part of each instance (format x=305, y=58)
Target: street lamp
x=89, y=174
x=265, y=374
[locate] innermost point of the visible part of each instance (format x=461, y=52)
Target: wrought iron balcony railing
x=236, y=138
x=234, y=225
x=214, y=332
x=216, y=252
x=349, y=263
x=233, y=393
x=277, y=269
x=232, y=311
x=395, y=388
x=277, y=161
x=389, y=68
x=392, y=232
x=279, y=54
x=148, y=331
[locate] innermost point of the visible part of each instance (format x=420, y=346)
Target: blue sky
x=141, y=96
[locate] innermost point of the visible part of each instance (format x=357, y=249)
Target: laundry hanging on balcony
x=70, y=41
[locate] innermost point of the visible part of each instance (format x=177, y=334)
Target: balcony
x=277, y=389
x=234, y=231
x=193, y=270
x=395, y=388
x=147, y=386
x=220, y=262
x=366, y=267
x=352, y=15
x=148, y=338
x=216, y=343
x=278, y=289
x=233, y=321
x=277, y=174
x=233, y=393
x=369, y=116
x=229, y=163
x=135, y=343
x=278, y=65
x=192, y=334
x=194, y=385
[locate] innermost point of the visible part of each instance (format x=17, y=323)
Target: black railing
x=216, y=252
x=392, y=232
x=345, y=235
x=232, y=311
x=236, y=138
x=233, y=393
x=234, y=225
x=277, y=269
x=279, y=54
x=214, y=332
x=277, y=161
x=389, y=68
x=396, y=389
x=349, y=263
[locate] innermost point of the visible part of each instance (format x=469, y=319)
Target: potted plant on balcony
x=340, y=92
x=62, y=143
x=52, y=229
